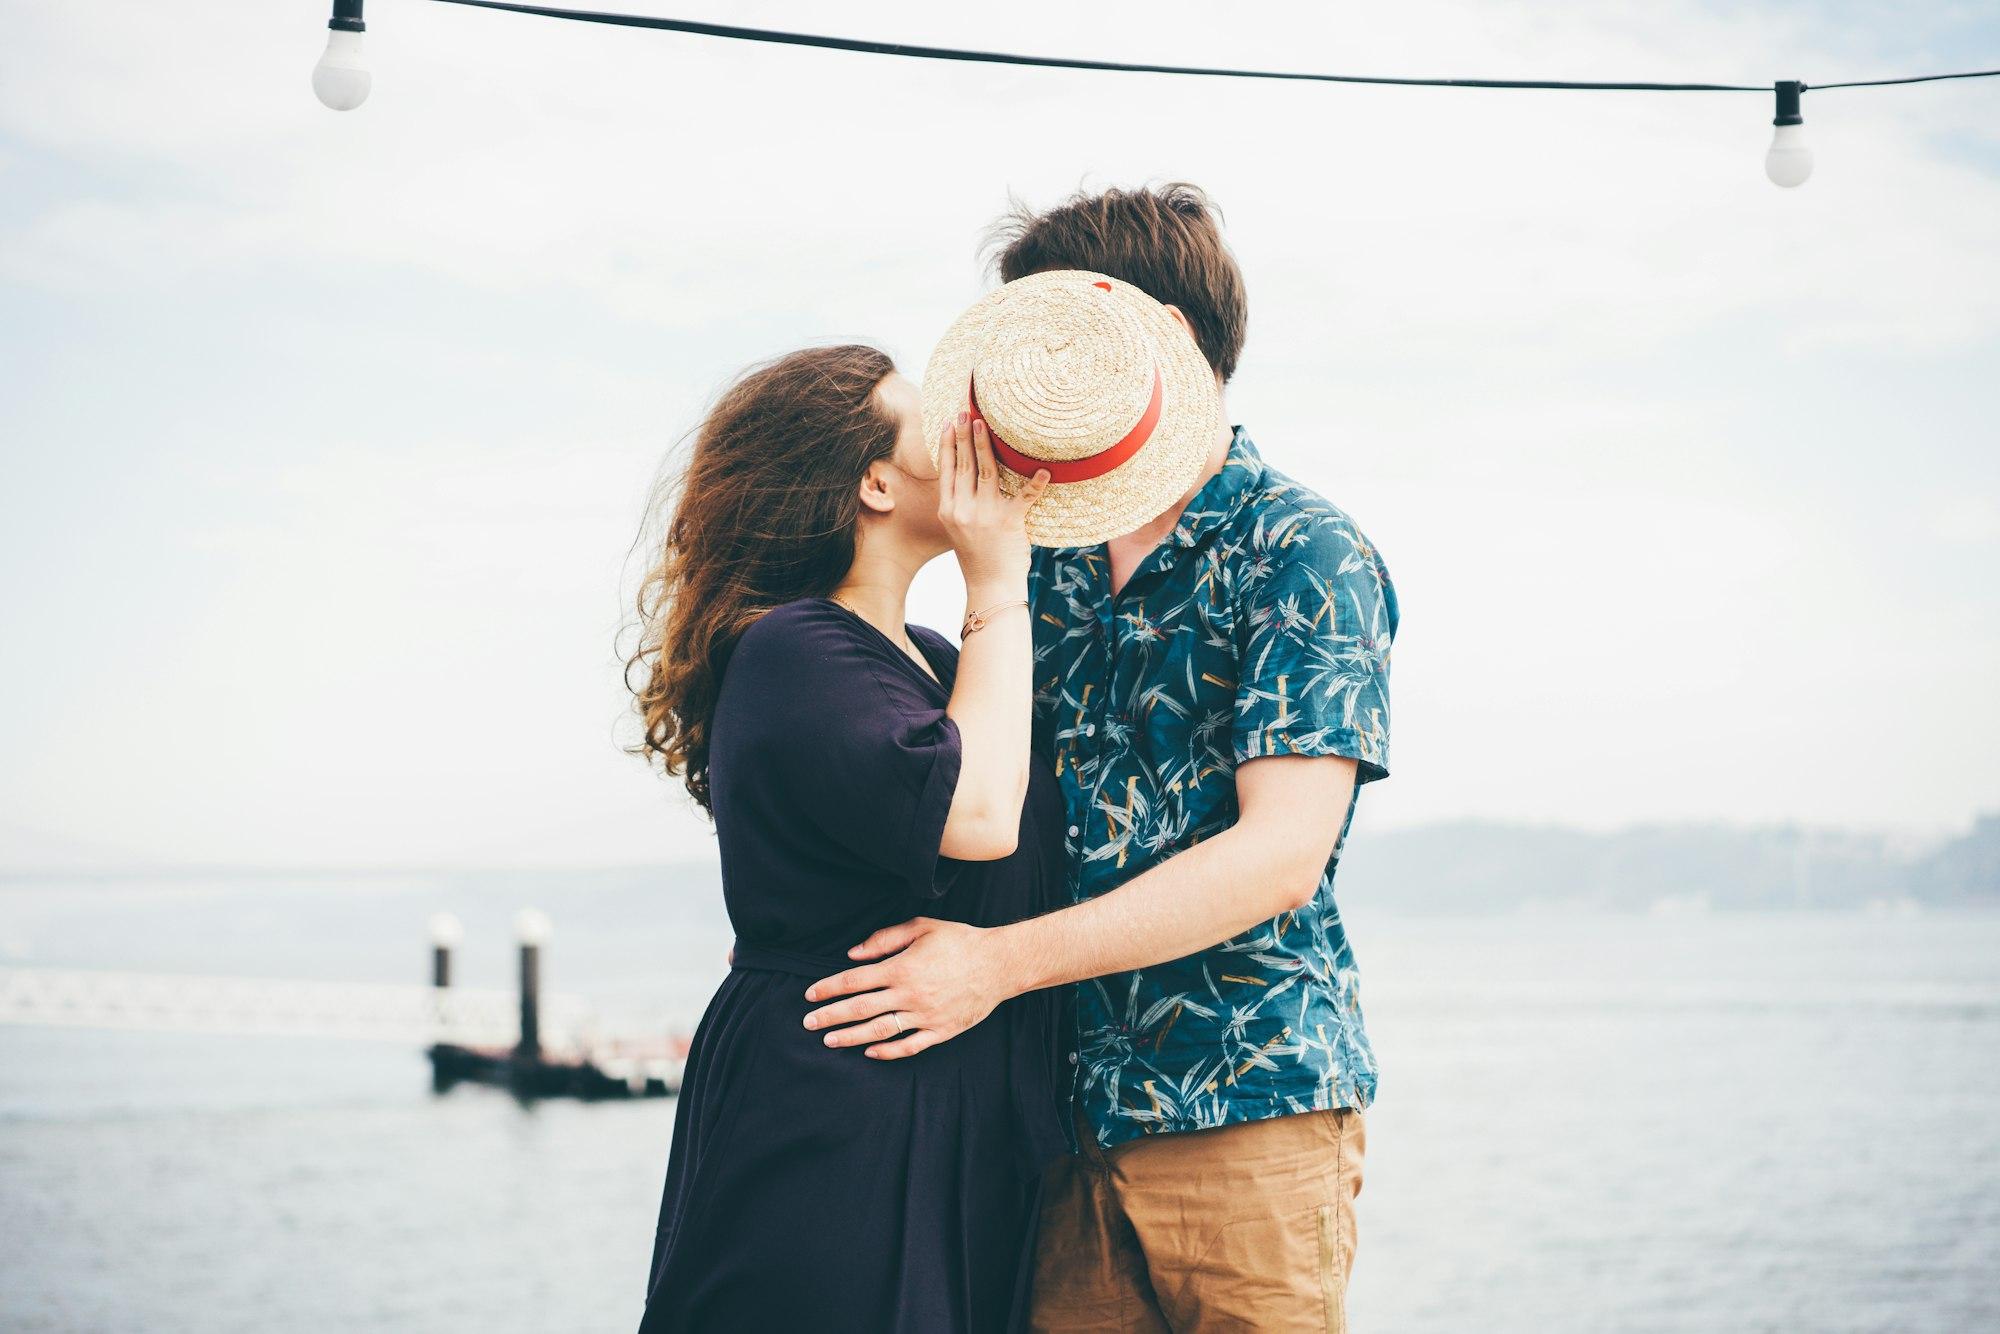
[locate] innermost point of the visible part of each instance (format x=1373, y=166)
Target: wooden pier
x=593, y=1070
x=532, y=1043
x=593, y=1078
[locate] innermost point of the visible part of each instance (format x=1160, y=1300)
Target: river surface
x=1703, y=1122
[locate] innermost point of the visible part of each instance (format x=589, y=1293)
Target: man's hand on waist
x=931, y=981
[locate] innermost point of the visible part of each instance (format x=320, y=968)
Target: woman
x=860, y=771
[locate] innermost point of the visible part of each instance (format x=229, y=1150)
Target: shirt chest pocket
x=1212, y=654
x=1174, y=699
x=1165, y=671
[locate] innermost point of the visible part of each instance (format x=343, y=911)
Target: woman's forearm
x=990, y=702
x=991, y=705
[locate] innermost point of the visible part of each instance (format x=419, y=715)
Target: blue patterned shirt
x=1260, y=626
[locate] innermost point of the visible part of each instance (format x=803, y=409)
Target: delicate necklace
x=900, y=639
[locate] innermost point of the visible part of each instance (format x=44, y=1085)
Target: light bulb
x=1788, y=162
x=341, y=80
x=532, y=926
x=446, y=930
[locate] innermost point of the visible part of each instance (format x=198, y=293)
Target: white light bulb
x=446, y=930
x=340, y=80
x=532, y=926
x=1789, y=162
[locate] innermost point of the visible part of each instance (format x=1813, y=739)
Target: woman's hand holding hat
x=987, y=526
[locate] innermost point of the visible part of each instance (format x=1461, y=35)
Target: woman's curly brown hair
x=764, y=512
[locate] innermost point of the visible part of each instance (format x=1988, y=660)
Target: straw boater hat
x=1090, y=378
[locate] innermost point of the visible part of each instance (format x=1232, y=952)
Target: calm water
x=1594, y=1124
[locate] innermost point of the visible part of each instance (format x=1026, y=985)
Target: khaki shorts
x=1244, y=1227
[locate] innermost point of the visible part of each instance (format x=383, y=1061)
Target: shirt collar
x=1223, y=494
x=1218, y=500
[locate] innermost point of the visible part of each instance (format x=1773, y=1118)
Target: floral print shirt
x=1260, y=626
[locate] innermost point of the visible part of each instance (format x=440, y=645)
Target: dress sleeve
x=1315, y=620
x=860, y=751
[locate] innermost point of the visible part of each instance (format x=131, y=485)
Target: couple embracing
x=1040, y=1013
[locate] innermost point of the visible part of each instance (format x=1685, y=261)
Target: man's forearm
x=1210, y=893
x=941, y=978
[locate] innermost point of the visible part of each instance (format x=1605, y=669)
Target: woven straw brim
x=1050, y=417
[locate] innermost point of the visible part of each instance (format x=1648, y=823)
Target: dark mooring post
x=446, y=932
x=532, y=928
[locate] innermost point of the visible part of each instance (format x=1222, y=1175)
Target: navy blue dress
x=815, y=1188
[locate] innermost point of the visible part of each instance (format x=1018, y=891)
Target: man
x=1212, y=689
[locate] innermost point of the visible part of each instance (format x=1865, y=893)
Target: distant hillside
x=1460, y=866
x=1473, y=866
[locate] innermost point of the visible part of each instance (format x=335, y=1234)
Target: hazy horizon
x=1452, y=866
x=1910, y=838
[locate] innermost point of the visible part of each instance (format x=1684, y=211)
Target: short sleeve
x=857, y=748
x=1315, y=617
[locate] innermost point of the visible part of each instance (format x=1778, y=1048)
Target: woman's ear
x=875, y=492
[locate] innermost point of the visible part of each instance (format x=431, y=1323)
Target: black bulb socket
x=347, y=16
x=1789, y=91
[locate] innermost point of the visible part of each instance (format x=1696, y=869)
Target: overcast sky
x=326, y=436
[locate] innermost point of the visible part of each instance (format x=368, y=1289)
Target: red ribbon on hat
x=1073, y=470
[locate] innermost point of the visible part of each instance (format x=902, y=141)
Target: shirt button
x=1072, y=1058
x=1074, y=831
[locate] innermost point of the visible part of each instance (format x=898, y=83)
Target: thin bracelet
x=977, y=620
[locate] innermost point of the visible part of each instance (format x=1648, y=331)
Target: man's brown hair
x=1166, y=240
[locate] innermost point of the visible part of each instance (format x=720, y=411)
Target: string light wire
x=341, y=80
x=775, y=36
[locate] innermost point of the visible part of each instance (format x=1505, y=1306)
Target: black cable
x=732, y=33
x=1914, y=78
